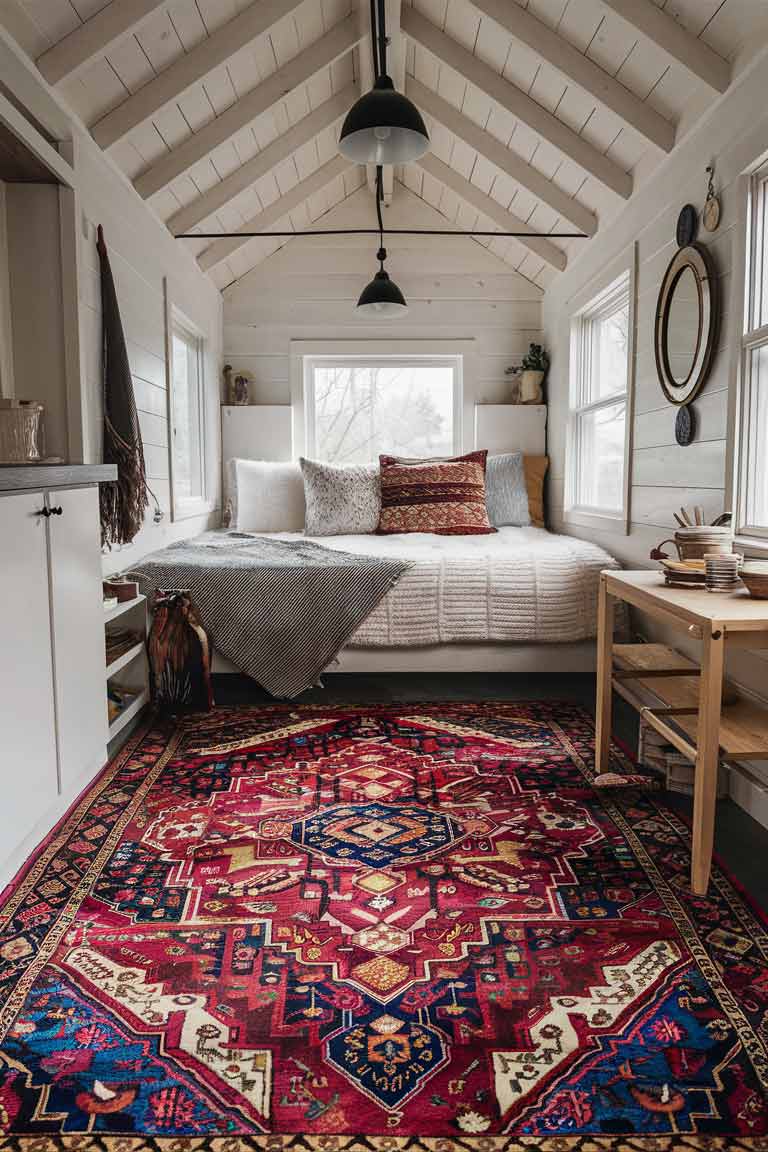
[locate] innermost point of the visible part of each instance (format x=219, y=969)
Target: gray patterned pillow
x=506, y=496
x=342, y=500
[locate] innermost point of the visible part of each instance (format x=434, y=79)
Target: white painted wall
x=663, y=475
x=6, y=331
x=143, y=256
x=37, y=322
x=456, y=289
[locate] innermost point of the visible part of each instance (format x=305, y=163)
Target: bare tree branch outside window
x=364, y=408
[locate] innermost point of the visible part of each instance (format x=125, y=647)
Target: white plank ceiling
x=542, y=113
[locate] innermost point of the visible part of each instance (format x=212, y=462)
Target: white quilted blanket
x=518, y=586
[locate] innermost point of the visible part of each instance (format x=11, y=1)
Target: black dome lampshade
x=381, y=299
x=383, y=127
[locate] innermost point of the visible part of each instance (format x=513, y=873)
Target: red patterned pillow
x=446, y=497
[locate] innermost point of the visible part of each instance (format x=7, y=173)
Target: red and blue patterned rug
x=384, y=928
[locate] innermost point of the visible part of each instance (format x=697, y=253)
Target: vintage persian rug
x=374, y=929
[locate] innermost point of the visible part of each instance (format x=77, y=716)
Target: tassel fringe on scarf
x=123, y=502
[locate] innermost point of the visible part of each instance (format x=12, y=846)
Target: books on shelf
x=120, y=640
x=654, y=752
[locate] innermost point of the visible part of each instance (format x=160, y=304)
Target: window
x=599, y=397
x=187, y=424
x=753, y=493
x=357, y=407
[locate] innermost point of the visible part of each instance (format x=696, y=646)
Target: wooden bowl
x=755, y=576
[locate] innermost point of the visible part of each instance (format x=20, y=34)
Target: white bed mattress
x=517, y=586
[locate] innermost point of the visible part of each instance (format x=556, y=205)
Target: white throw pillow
x=341, y=499
x=270, y=496
x=506, y=495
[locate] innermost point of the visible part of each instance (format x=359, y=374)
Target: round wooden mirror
x=686, y=324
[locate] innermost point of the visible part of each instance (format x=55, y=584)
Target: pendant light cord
x=382, y=40
x=374, y=43
x=381, y=255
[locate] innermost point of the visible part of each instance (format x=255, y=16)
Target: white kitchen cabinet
x=28, y=762
x=53, y=717
x=77, y=617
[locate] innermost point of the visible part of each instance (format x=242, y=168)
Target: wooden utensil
x=686, y=517
x=699, y=514
x=679, y=521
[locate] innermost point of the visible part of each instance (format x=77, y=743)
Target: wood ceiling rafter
x=517, y=103
x=566, y=59
x=341, y=39
x=120, y=19
x=189, y=69
x=496, y=212
x=305, y=130
x=221, y=250
x=679, y=45
x=503, y=158
x=95, y=37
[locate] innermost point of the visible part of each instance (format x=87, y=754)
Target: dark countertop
x=26, y=477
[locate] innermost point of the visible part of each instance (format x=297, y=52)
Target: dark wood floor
x=741, y=842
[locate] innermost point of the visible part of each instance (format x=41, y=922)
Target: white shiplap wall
x=456, y=289
x=143, y=256
x=664, y=475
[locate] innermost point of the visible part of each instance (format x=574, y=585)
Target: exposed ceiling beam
x=574, y=65
x=324, y=116
x=95, y=36
x=20, y=76
x=493, y=210
x=517, y=103
x=190, y=68
x=672, y=38
x=502, y=157
x=222, y=249
x=341, y=39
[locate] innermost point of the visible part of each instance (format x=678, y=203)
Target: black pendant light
x=384, y=126
x=381, y=299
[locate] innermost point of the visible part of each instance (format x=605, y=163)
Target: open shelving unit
x=128, y=672
x=663, y=686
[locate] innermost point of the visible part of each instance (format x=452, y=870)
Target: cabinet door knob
x=44, y=512
x=57, y=511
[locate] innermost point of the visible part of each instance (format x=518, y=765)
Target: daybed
x=523, y=599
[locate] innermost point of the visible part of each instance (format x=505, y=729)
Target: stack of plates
x=722, y=572
x=684, y=573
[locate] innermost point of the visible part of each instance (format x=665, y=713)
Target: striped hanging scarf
x=124, y=501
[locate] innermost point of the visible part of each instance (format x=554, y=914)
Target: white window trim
x=599, y=286
x=304, y=351
x=750, y=539
x=186, y=508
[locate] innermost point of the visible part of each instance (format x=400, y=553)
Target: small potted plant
x=535, y=367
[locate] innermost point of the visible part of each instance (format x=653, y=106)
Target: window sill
x=190, y=509
x=605, y=521
x=753, y=546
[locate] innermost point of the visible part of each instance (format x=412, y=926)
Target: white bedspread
x=518, y=586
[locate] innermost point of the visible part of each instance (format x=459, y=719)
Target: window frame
x=303, y=353
x=600, y=298
x=753, y=337
x=186, y=507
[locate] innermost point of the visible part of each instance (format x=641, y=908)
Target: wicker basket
x=21, y=433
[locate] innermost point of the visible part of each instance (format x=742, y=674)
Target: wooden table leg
x=605, y=616
x=707, y=758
